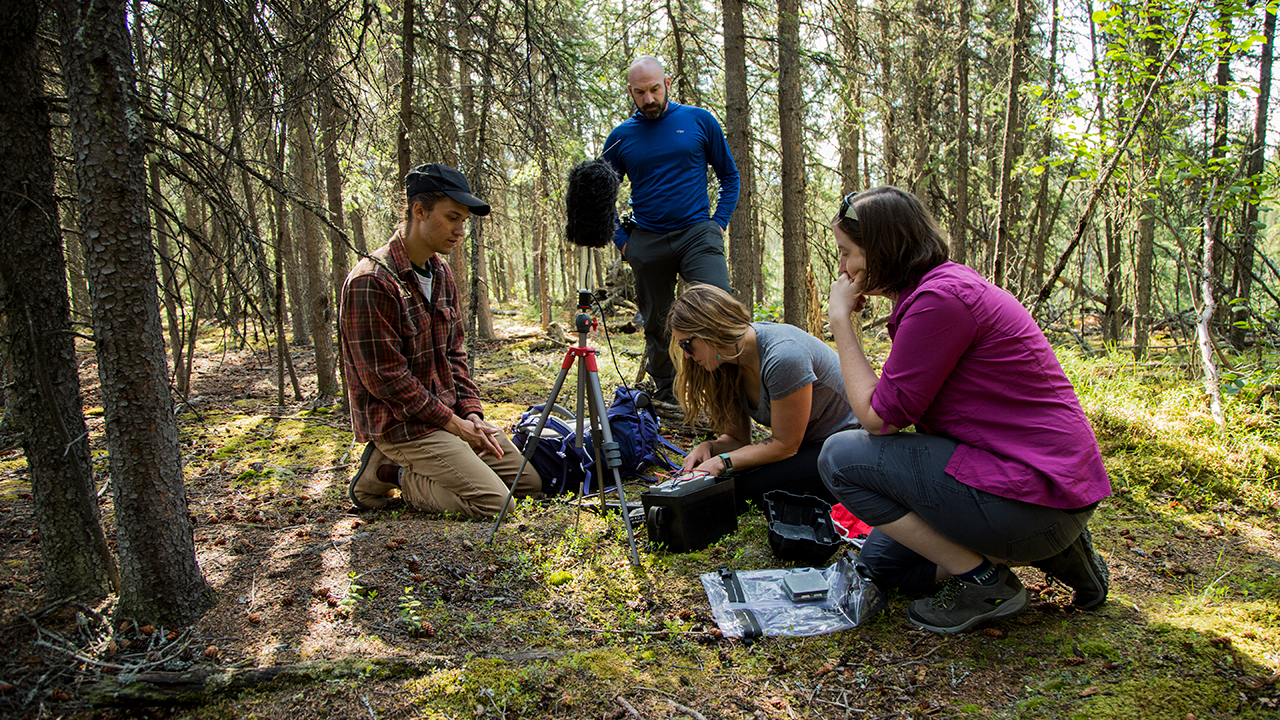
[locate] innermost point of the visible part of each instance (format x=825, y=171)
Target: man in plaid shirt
x=412, y=399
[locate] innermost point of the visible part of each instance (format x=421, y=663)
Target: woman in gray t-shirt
x=737, y=371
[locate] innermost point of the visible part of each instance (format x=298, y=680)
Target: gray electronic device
x=804, y=586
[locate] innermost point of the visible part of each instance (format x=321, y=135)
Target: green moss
x=1099, y=649
x=1142, y=698
x=238, y=443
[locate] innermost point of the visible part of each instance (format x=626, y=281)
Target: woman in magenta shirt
x=1003, y=467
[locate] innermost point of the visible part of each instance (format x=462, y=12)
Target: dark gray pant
x=797, y=474
x=881, y=478
x=696, y=253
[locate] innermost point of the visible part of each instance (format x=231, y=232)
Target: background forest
x=184, y=185
x=1088, y=154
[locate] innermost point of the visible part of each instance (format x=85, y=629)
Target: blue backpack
x=636, y=429
x=557, y=459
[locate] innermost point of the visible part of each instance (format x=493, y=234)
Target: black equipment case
x=689, y=514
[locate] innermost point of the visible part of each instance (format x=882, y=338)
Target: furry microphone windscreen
x=591, y=203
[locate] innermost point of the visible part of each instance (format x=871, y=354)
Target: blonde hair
x=707, y=312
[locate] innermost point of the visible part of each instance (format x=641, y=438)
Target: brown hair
x=707, y=312
x=429, y=201
x=898, y=235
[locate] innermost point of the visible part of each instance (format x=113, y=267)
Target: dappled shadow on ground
x=552, y=621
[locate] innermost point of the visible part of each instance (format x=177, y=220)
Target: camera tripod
x=590, y=399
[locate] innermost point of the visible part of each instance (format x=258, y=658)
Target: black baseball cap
x=434, y=177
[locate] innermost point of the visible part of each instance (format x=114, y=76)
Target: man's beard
x=653, y=111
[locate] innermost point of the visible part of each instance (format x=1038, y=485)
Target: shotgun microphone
x=591, y=201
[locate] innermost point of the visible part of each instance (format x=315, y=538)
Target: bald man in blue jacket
x=664, y=149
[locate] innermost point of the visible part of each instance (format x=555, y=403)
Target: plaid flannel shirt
x=403, y=355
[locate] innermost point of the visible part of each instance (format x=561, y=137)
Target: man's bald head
x=648, y=85
x=645, y=65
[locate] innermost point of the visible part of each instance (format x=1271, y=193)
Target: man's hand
x=477, y=433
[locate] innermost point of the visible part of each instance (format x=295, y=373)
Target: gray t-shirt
x=791, y=358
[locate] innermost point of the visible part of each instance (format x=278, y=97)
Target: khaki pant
x=443, y=474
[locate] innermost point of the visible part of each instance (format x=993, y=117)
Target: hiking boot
x=368, y=490
x=1080, y=567
x=960, y=606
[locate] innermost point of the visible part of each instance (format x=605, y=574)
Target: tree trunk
x=851, y=108
x=1145, y=221
x=406, y=88
x=960, y=217
x=923, y=101
x=541, y=235
x=448, y=131
x=795, y=247
x=169, y=286
x=261, y=274
x=1210, y=257
x=161, y=583
x=280, y=219
x=43, y=395
x=889, y=125
x=1115, y=298
x=1204, y=330
x=1257, y=159
x=318, y=290
x=357, y=230
x=196, y=284
x=338, y=251
x=286, y=254
x=1010, y=143
x=737, y=121
x=479, y=315
x=1045, y=218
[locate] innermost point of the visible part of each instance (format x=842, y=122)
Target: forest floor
x=400, y=614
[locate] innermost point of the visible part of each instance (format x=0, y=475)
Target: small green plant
x=354, y=592
x=411, y=614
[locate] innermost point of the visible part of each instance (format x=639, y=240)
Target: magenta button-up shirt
x=969, y=362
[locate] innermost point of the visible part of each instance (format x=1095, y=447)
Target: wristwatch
x=728, y=463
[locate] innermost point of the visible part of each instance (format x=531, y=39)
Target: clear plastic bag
x=755, y=602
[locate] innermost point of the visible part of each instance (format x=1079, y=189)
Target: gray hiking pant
x=696, y=253
x=881, y=478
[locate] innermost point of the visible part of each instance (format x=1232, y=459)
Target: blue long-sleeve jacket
x=666, y=161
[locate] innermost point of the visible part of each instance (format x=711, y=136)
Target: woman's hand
x=847, y=296
x=698, y=455
x=713, y=466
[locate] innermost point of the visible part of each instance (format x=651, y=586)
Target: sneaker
x=366, y=490
x=1080, y=567
x=960, y=606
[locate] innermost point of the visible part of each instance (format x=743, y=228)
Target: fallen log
x=199, y=686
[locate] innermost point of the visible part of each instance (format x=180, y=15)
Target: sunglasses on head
x=686, y=345
x=846, y=207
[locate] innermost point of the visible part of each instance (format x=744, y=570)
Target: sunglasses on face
x=687, y=346
x=846, y=207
